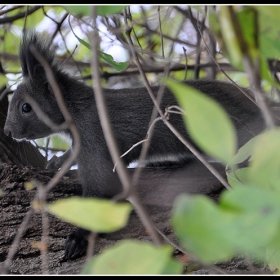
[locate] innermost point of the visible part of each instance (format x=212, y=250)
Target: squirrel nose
x=7, y=132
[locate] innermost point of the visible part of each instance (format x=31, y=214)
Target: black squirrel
x=129, y=110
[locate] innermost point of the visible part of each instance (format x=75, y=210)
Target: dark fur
x=129, y=109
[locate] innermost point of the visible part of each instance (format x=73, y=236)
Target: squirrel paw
x=76, y=244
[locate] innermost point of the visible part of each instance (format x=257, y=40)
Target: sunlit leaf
x=3, y=80
x=202, y=228
x=244, y=222
x=238, y=178
x=109, y=9
x=265, y=159
x=79, y=10
x=245, y=151
x=93, y=214
x=268, y=33
x=134, y=257
x=206, y=121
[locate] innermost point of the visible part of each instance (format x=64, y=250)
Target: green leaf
x=230, y=37
x=59, y=143
x=245, y=151
x=202, y=228
x=206, y=121
x=245, y=221
x=134, y=257
x=119, y=66
x=273, y=253
x=238, y=178
x=79, y=10
x=268, y=33
x=84, y=10
x=3, y=80
x=259, y=218
x=265, y=160
x=98, y=215
x=249, y=199
x=109, y=9
x=248, y=21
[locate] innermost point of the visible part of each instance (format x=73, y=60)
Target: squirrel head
x=23, y=120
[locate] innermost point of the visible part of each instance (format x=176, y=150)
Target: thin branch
x=170, y=126
x=68, y=119
x=45, y=238
x=113, y=148
x=10, y=10
x=19, y=15
x=91, y=242
x=223, y=71
x=160, y=30
x=142, y=141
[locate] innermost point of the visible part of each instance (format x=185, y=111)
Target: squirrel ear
x=33, y=43
x=37, y=74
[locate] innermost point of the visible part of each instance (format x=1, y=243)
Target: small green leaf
x=84, y=10
x=29, y=185
x=59, y=143
x=245, y=151
x=93, y=214
x=3, y=80
x=134, y=257
x=238, y=178
x=119, y=66
x=265, y=160
x=206, y=121
x=79, y=10
x=109, y=9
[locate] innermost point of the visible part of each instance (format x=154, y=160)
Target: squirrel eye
x=26, y=108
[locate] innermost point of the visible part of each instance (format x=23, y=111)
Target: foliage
x=92, y=214
x=246, y=219
x=130, y=257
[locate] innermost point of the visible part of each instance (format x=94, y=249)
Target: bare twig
x=11, y=19
x=45, y=238
x=68, y=119
x=160, y=30
x=140, y=142
x=169, y=125
x=91, y=242
x=223, y=71
x=103, y=115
